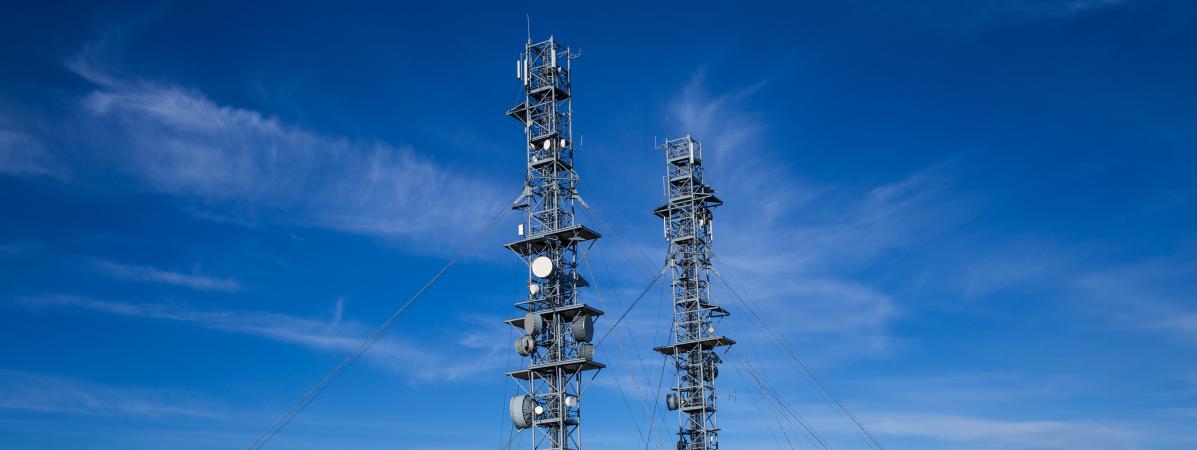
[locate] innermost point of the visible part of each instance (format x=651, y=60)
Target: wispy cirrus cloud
x=54, y=394
x=1154, y=295
x=798, y=242
x=24, y=155
x=1056, y=8
x=157, y=275
x=409, y=358
x=981, y=432
x=719, y=120
x=248, y=167
x=910, y=424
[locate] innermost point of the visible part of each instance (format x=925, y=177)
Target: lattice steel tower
x=688, y=229
x=557, y=325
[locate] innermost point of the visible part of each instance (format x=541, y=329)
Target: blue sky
x=975, y=220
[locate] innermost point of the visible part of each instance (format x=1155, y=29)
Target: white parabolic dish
x=542, y=266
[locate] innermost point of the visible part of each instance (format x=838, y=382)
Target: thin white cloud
x=794, y=245
x=24, y=155
x=1078, y=6
x=156, y=275
x=53, y=394
x=1023, y=10
x=718, y=120
x=413, y=359
x=1149, y=295
x=242, y=163
x=1181, y=323
x=995, y=433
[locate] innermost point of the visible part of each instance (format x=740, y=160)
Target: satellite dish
x=548, y=143
x=538, y=410
x=542, y=266
x=586, y=352
x=525, y=345
x=671, y=401
x=571, y=401
x=521, y=407
x=583, y=328
x=533, y=323
x=533, y=288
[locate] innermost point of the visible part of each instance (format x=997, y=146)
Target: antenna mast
x=557, y=326
x=689, y=230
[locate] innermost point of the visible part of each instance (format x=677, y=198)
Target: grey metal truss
x=689, y=230
x=557, y=325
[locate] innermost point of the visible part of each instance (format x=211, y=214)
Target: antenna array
x=557, y=326
x=689, y=231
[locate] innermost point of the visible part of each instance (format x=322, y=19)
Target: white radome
x=542, y=266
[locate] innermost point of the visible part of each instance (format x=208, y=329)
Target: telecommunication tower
x=557, y=325
x=689, y=230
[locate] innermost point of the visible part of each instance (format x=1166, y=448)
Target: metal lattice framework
x=688, y=229
x=557, y=325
